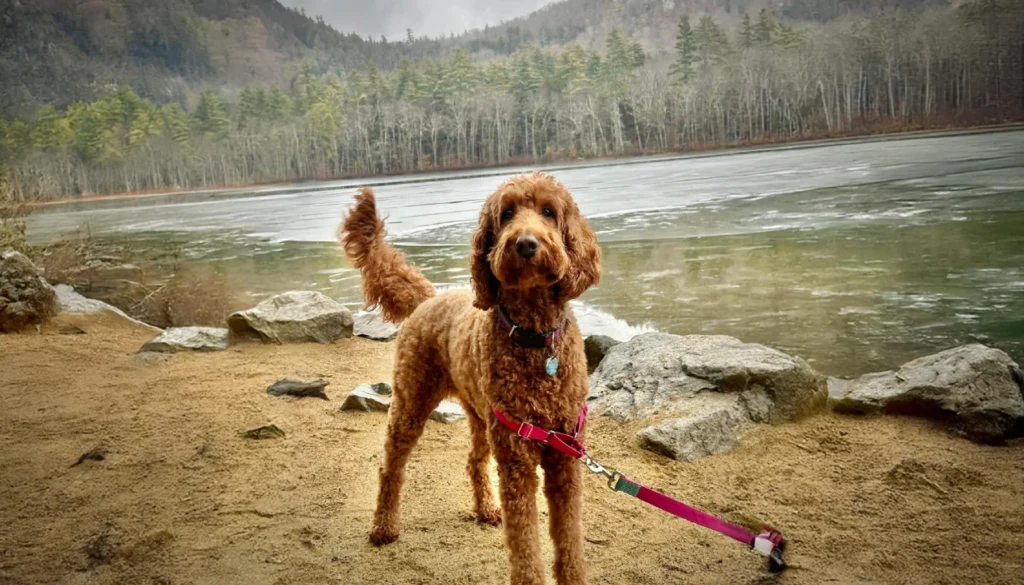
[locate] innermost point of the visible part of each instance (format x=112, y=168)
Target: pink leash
x=768, y=543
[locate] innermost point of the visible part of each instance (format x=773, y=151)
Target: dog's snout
x=527, y=245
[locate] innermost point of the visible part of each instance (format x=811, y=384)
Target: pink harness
x=768, y=542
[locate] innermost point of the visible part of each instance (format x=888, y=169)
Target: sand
x=181, y=498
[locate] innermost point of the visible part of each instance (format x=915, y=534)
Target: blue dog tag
x=551, y=367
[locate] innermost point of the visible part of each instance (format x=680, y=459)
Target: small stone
x=178, y=339
x=365, y=399
x=370, y=325
x=382, y=388
x=448, y=412
x=298, y=388
x=96, y=454
x=264, y=432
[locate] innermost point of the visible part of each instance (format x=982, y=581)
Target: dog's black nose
x=527, y=245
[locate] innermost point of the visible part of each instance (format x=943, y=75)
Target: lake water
x=857, y=256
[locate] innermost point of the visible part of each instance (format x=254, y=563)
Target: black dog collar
x=529, y=338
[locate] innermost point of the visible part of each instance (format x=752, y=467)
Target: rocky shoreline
x=695, y=395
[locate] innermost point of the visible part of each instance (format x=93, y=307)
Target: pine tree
x=682, y=68
x=51, y=130
x=176, y=121
x=747, y=33
x=458, y=75
x=212, y=115
x=710, y=42
x=280, y=105
x=765, y=31
x=639, y=58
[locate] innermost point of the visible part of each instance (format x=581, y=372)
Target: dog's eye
x=507, y=214
x=548, y=212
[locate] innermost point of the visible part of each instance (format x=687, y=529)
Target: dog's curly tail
x=388, y=281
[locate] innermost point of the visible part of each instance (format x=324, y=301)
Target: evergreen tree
x=682, y=67
x=51, y=130
x=748, y=36
x=212, y=115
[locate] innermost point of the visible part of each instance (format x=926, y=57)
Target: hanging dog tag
x=551, y=366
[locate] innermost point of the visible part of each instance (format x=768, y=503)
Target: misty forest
x=729, y=79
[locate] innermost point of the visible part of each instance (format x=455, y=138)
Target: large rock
x=977, y=388
x=178, y=339
x=700, y=391
x=70, y=302
x=294, y=317
x=26, y=299
x=371, y=326
x=596, y=347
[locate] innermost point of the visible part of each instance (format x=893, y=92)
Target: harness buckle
x=522, y=425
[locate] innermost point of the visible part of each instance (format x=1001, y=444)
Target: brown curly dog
x=532, y=253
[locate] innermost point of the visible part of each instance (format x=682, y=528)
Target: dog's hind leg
x=418, y=390
x=478, y=468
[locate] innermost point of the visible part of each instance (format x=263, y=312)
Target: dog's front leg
x=563, y=486
x=517, y=475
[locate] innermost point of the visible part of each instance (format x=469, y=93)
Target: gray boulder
x=178, y=339
x=26, y=298
x=977, y=389
x=294, y=317
x=366, y=399
x=371, y=326
x=700, y=391
x=596, y=347
x=657, y=374
x=69, y=301
x=448, y=412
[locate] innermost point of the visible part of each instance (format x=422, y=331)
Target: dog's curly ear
x=584, y=255
x=485, y=284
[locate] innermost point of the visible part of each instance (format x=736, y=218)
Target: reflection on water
x=857, y=258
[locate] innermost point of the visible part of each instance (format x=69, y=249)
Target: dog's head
x=531, y=235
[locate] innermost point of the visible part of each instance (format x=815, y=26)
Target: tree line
x=765, y=80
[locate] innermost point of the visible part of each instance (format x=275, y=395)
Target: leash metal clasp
x=597, y=468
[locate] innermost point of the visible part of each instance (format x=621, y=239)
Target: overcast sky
x=425, y=17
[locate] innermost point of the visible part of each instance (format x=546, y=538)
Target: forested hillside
x=59, y=51
x=582, y=78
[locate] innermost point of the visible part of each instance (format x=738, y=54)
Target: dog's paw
x=490, y=517
x=381, y=535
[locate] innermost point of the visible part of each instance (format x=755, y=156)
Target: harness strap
x=562, y=442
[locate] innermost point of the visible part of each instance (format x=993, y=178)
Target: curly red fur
x=387, y=281
x=454, y=345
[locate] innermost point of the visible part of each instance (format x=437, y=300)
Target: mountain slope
x=63, y=50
